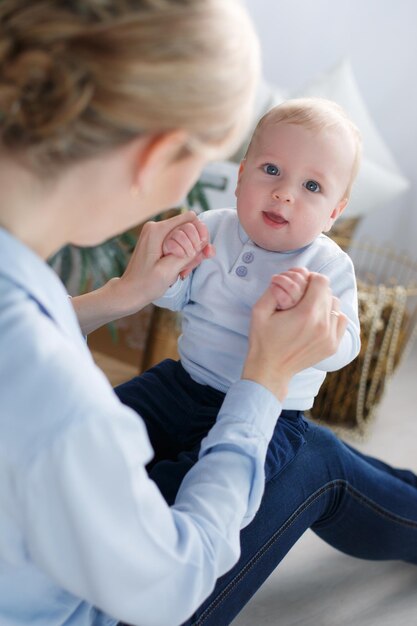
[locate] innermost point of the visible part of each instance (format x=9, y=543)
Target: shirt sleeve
x=176, y=297
x=98, y=526
x=343, y=283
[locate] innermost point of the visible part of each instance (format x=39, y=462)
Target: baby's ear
x=239, y=175
x=337, y=211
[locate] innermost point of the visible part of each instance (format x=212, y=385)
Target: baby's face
x=291, y=185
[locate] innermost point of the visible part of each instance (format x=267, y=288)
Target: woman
x=108, y=109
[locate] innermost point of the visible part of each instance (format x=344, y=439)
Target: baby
x=293, y=183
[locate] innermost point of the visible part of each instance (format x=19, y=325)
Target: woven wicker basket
x=387, y=292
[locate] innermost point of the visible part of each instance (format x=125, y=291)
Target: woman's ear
x=153, y=154
x=337, y=211
x=239, y=176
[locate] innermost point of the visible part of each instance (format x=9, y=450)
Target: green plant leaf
x=66, y=265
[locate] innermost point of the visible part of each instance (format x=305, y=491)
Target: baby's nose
x=284, y=194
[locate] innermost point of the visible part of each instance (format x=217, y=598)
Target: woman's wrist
x=110, y=302
x=258, y=372
x=124, y=298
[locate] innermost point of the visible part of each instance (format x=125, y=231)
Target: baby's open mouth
x=274, y=218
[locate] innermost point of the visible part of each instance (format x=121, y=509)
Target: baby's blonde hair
x=316, y=114
x=78, y=78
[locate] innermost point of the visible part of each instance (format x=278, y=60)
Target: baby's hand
x=189, y=240
x=289, y=287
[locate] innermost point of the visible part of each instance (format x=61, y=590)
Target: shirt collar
x=21, y=266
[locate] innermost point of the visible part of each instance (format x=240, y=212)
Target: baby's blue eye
x=311, y=185
x=270, y=169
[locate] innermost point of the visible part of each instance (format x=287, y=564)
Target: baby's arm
x=189, y=240
x=289, y=287
x=343, y=283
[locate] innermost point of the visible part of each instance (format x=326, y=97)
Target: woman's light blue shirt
x=85, y=536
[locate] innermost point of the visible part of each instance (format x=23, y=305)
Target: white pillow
x=379, y=180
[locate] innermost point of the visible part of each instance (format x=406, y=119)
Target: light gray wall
x=303, y=38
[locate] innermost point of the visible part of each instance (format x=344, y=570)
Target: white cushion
x=379, y=180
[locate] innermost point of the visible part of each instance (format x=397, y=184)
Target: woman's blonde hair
x=316, y=114
x=80, y=77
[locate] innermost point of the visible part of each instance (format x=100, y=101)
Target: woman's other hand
x=282, y=343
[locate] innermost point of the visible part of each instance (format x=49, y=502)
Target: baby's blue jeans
x=357, y=504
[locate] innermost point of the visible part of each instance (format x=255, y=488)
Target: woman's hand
x=147, y=276
x=282, y=343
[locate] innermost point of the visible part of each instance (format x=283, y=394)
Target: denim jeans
x=357, y=504
x=178, y=413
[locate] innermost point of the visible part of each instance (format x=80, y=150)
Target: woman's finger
x=203, y=232
x=166, y=226
x=337, y=318
x=154, y=233
x=191, y=266
x=335, y=307
x=318, y=294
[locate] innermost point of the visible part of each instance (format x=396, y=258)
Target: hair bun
x=79, y=77
x=41, y=91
